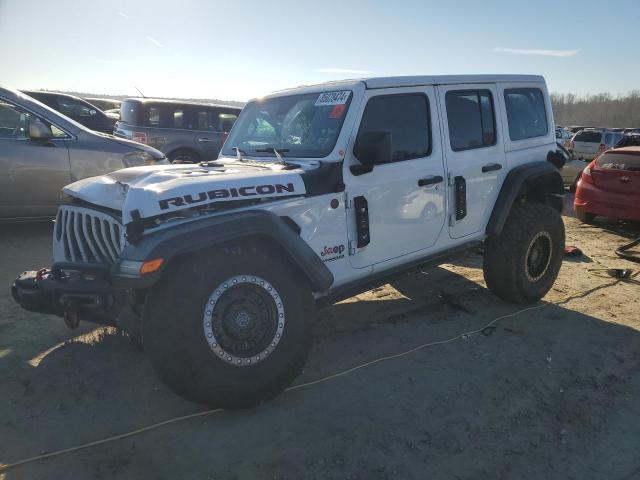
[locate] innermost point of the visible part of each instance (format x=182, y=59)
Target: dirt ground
x=553, y=393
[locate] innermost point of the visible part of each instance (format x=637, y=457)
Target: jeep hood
x=144, y=192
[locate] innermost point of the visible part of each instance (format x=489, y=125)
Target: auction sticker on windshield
x=332, y=98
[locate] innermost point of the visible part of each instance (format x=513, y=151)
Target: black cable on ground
x=621, y=252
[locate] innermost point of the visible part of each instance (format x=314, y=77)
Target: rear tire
x=522, y=263
x=229, y=329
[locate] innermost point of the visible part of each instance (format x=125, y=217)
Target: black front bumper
x=74, y=291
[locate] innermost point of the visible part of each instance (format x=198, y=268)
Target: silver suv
x=186, y=132
x=41, y=151
x=590, y=142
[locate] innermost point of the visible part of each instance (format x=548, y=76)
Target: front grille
x=86, y=235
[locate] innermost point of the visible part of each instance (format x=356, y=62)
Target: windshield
x=298, y=125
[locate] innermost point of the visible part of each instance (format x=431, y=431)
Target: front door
x=32, y=173
x=212, y=127
x=404, y=199
x=474, y=152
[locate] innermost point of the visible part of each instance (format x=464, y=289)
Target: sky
x=240, y=49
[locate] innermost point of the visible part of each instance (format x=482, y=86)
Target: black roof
x=32, y=93
x=180, y=102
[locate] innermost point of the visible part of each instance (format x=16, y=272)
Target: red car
x=610, y=186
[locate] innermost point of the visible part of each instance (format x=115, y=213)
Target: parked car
x=41, y=151
x=610, y=186
x=575, y=128
x=591, y=142
x=75, y=108
x=109, y=106
x=320, y=193
x=105, y=104
x=629, y=140
x=571, y=170
x=186, y=132
x=114, y=113
x=563, y=136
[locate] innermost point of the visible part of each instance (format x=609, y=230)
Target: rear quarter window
x=588, y=136
x=526, y=113
x=129, y=113
x=619, y=161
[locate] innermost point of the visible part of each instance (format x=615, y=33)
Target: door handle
x=204, y=140
x=491, y=167
x=430, y=180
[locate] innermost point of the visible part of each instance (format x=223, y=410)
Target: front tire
x=184, y=156
x=522, y=263
x=229, y=329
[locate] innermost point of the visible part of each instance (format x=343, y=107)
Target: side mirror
x=371, y=148
x=39, y=131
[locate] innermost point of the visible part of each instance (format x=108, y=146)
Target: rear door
x=474, y=154
x=32, y=173
x=212, y=125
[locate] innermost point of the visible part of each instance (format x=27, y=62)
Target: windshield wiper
x=276, y=152
x=239, y=153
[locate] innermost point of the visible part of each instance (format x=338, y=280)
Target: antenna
x=139, y=91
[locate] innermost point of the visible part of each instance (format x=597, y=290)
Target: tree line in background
x=601, y=110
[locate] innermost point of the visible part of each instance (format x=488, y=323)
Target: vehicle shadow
x=546, y=394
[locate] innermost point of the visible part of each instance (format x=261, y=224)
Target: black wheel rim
x=538, y=256
x=244, y=320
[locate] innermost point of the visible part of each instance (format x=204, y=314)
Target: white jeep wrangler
x=319, y=193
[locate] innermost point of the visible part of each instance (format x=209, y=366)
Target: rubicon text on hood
x=162, y=189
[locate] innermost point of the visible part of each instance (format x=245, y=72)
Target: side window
x=471, y=118
x=178, y=119
x=15, y=121
x=153, y=117
x=203, y=120
x=215, y=120
x=226, y=121
x=608, y=138
x=406, y=117
x=526, y=113
x=72, y=108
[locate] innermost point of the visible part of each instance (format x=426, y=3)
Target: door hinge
x=352, y=247
x=452, y=220
x=347, y=201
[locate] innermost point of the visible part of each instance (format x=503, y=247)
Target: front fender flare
x=212, y=231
